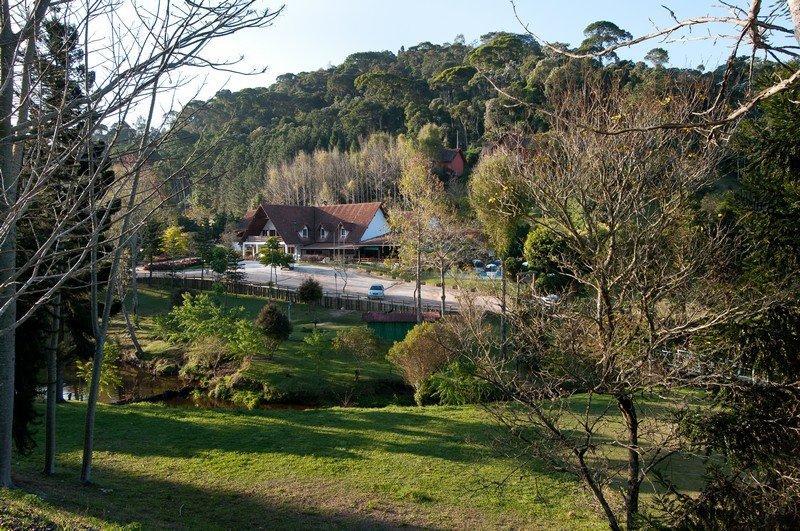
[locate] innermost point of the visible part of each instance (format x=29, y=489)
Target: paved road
x=358, y=283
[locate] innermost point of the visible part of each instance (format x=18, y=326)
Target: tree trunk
x=100, y=329
x=7, y=250
x=628, y=409
x=441, y=279
x=52, y=386
x=132, y=332
x=419, y=285
x=60, y=381
x=794, y=9
x=91, y=410
x=613, y=524
x=134, y=279
x=503, y=313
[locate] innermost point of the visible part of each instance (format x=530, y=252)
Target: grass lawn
x=158, y=466
x=295, y=376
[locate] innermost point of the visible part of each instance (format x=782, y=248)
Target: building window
x=322, y=233
x=304, y=232
x=343, y=233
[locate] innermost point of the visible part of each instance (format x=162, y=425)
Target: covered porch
x=251, y=247
x=351, y=252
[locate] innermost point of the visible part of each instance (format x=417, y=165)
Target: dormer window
x=322, y=233
x=304, y=232
x=343, y=233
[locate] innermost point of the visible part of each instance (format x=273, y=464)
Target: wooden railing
x=332, y=300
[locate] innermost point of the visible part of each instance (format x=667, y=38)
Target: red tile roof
x=397, y=317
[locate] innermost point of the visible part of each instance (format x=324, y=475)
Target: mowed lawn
x=296, y=376
x=158, y=466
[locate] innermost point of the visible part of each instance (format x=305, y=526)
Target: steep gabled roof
x=447, y=155
x=355, y=217
x=289, y=220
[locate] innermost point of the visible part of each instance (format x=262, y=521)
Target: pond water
x=141, y=385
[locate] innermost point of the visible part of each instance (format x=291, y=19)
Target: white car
x=492, y=271
x=376, y=291
x=550, y=300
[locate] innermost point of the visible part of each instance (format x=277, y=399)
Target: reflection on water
x=142, y=385
x=137, y=384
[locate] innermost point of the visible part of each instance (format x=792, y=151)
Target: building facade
x=354, y=231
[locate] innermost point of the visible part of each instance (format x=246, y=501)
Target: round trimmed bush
x=310, y=291
x=274, y=323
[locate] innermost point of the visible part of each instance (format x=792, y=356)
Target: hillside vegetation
x=329, y=135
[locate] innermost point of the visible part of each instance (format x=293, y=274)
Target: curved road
x=358, y=283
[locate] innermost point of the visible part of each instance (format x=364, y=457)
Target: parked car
x=492, y=271
x=287, y=267
x=376, y=291
x=550, y=300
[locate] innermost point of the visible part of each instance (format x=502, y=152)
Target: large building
x=356, y=231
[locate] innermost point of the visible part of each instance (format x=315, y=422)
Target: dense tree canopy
x=250, y=136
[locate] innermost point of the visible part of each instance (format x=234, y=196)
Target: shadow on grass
x=123, y=499
x=332, y=433
x=221, y=444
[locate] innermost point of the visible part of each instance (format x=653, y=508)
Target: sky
x=313, y=34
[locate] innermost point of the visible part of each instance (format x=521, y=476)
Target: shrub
x=273, y=323
x=456, y=385
x=204, y=355
x=177, y=296
x=310, y=291
x=358, y=341
x=172, y=265
x=165, y=368
x=199, y=317
x=425, y=393
x=421, y=354
x=247, y=399
x=316, y=345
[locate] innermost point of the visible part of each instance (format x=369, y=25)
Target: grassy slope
x=289, y=370
x=158, y=466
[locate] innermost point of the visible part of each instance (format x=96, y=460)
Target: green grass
x=295, y=376
x=158, y=467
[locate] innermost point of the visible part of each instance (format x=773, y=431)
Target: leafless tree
x=413, y=221
x=138, y=53
x=450, y=242
x=754, y=28
x=369, y=174
x=648, y=275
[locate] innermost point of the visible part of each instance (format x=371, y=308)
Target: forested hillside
x=310, y=137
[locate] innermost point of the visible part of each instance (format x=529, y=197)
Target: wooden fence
x=334, y=301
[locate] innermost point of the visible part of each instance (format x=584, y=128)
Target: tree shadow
x=123, y=499
x=329, y=433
